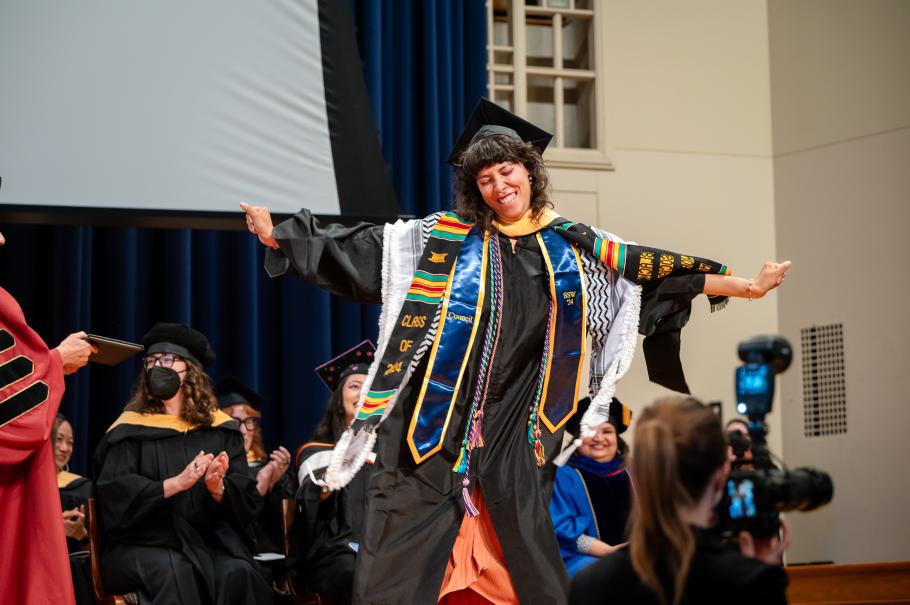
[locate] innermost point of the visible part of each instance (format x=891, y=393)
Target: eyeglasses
x=165, y=361
x=251, y=423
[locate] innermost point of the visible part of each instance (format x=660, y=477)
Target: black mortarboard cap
x=232, y=392
x=620, y=416
x=179, y=339
x=487, y=119
x=356, y=360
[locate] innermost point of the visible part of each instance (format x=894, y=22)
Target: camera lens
x=800, y=489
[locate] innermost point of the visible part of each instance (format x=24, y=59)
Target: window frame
x=596, y=157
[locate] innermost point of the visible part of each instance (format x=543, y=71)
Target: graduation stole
x=642, y=265
x=429, y=287
x=453, y=272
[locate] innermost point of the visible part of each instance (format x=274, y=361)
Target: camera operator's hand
x=770, y=550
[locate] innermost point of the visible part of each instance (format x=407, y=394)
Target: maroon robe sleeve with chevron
x=33, y=549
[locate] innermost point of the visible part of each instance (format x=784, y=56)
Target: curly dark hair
x=199, y=400
x=496, y=149
x=332, y=425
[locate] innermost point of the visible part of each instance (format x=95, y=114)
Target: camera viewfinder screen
x=742, y=499
x=751, y=381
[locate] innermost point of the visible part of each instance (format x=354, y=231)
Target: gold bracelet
x=750, y=289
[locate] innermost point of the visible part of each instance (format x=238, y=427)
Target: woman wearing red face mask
x=175, y=497
x=592, y=494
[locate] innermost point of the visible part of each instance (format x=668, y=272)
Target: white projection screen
x=185, y=108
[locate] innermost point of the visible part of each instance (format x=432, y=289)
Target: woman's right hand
x=75, y=351
x=74, y=523
x=770, y=550
x=259, y=223
x=188, y=477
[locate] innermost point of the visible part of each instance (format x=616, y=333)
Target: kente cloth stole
x=642, y=265
x=429, y=287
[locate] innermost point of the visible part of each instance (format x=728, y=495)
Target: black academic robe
x=268, y=519
x=186, y=548
x=329, y=531
x=414, y=511
x=75, y=491
x=718, y=575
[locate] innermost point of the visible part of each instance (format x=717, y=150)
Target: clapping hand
x=214, y=475
x=74, y=523
x=268, y=475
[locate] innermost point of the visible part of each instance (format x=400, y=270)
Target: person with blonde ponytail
x=679, y=470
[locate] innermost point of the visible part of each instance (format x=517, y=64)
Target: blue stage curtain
x=424, y=64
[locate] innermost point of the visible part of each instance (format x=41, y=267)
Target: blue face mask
x=163, y=382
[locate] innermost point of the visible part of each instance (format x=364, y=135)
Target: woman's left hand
x=282, y=460
x=214, y=476
x=771, y=276
x=74, y=523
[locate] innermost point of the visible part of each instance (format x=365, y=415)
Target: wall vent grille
x=824, y=390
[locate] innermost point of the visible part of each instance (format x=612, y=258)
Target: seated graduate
x=592, y=493
x=679, y=470
x=273, y=482
x=332, y=521
x=174, y=494
x=75, y=491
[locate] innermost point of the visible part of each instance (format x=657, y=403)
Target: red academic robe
x=33, y=557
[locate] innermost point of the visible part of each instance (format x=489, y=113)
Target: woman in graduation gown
x=75, y=491
x=330, y=522
x=486, y=311
x=273, y=482
x=592, y=493
x=175, y=497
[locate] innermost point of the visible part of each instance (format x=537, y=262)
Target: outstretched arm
x=771, y=276
x=346, y=261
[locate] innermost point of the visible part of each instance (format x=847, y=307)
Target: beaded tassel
x=534, y=431
x=474, y=430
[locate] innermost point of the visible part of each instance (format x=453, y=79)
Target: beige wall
x=691, y=146
x=761, y=129
x=841, y=108
x=688, y=76
x=839, y=70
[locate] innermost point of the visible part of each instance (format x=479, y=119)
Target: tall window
x=543, y=62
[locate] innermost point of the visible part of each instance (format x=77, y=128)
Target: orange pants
x=477, y=573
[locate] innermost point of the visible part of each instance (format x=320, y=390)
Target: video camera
x=754, y=497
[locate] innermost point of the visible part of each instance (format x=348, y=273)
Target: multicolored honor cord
x=474, y=430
